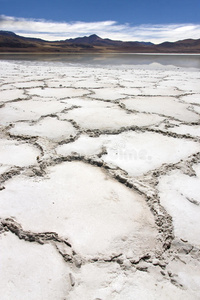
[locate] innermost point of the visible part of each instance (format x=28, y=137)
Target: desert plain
x=99, y=181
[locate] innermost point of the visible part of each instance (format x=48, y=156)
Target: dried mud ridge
x=180, y=250
x=41, y=238
x=169, y=248
x=72, y=257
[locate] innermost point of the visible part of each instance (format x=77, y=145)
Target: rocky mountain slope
x=11, y=42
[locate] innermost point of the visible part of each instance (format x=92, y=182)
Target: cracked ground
x=99, y=182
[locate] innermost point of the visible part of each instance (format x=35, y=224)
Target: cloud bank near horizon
x=50, y=30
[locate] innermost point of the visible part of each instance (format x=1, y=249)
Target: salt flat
x=99, y=182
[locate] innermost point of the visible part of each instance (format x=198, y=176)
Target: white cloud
x=50, y=30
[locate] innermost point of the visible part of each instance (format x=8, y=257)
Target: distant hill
x=186, y=46
x=95, y=40
x=11, y=42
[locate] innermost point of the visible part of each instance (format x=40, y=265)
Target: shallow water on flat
x=176, y=60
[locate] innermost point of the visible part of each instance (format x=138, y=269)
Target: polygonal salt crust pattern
x=99, y=181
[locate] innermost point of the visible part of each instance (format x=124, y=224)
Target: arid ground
x=99, y=182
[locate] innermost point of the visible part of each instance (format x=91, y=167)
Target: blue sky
x=156, y=20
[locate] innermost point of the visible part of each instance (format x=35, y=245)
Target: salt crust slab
x=18, y=154
x=188, y=83
x=31, y=271
x=58, y=92
x=188, y=275
x=51, y=128
x=78, y=201
x=113, y=93
x=29, y=84
x=167, y=106
x=30, y=110
x=136, y=153
x=160, y=91
x=9, y=95
x=180, y=195
x=108, y=118
x=187, y=129
x=194, y=98
x=196, y=109
x=112, y=283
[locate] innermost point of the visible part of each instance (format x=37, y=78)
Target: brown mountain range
x=11, y=42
